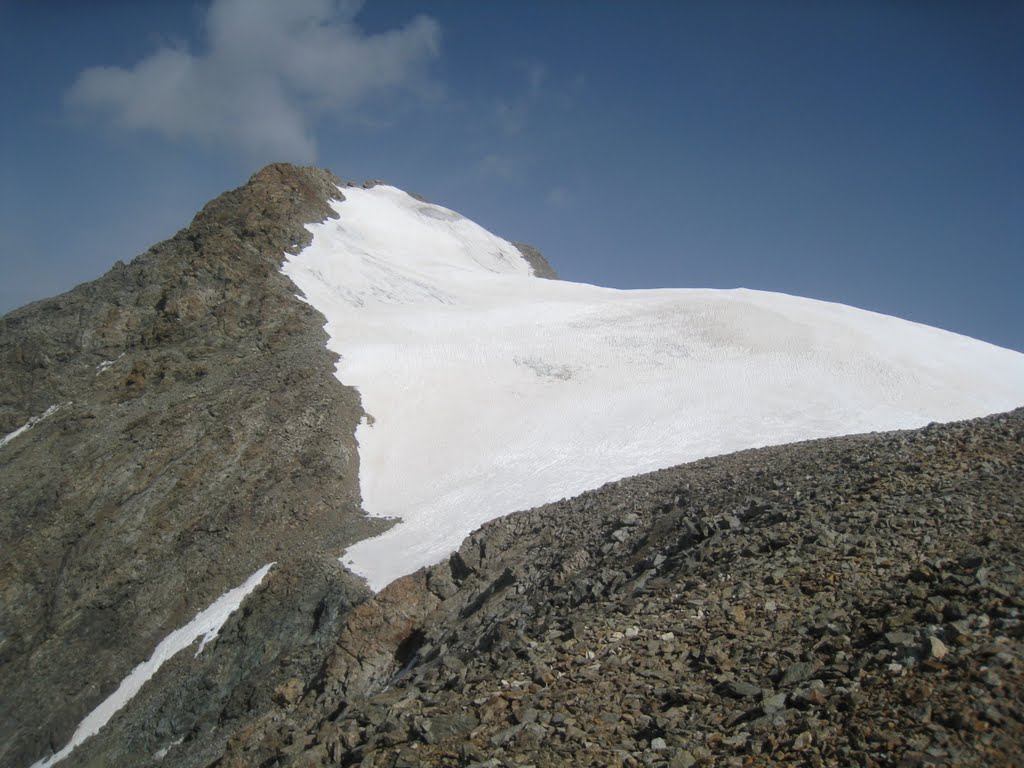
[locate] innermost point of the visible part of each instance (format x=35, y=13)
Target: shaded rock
x=737, y=689
x=798, y=673
x=537, y=262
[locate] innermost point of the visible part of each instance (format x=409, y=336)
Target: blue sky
x=863, y=152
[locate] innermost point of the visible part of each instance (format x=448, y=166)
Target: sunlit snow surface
x=206, y=625
x=491, y=390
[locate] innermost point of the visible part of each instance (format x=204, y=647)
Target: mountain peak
x=200, y=435
x=314, y=370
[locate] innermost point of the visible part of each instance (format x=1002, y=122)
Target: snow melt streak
x=206, y=626
x=493, y=391
x=29, y=424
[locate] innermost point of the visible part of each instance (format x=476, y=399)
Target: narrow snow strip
x=206, y=626
x=106, y=365
x=161, y=753
x=30, y=423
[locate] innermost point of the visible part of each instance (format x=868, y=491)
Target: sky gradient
x=862, y=152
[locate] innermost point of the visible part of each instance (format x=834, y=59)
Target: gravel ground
x=854, y=601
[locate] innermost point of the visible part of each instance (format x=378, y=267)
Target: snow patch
x=31, y=423
x=206, y=626
x=494, y=391
x=108, y=364
x=161, y=753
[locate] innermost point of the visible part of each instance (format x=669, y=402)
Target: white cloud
x=269, y=68
x=504, y=167
x=512, y=115
x=558, y=197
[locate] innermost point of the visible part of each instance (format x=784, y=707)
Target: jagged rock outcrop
x=537, y=262
x=853, y=601
x=200, y=435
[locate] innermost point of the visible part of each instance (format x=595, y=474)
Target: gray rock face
x=201, y=435
x=536, y=260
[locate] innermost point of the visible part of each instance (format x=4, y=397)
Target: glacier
x=489, y=390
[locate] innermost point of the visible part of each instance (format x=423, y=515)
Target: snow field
x=493, y=391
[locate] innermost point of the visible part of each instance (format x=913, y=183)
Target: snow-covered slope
x=490, y=390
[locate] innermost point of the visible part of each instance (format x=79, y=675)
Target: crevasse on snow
x=493, y=391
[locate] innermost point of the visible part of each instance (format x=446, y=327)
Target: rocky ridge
x=186, y=430
x=200, y=435
x=853, y=601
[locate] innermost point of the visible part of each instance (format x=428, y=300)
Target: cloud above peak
x=268, y=71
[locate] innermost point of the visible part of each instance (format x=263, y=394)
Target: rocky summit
x=175, y=426
x=199, y=434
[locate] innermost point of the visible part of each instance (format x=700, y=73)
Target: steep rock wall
x=200, y=435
